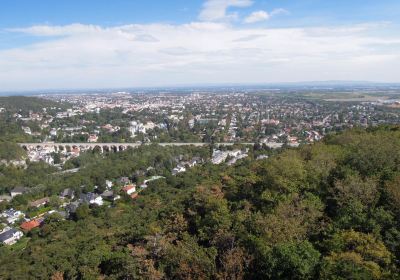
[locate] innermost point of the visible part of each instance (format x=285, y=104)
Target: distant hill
x=26, y=104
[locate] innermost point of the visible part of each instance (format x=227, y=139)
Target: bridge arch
x=97, y=148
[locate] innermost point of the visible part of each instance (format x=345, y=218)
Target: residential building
x=93, y=138
x=134, y=195
x=29, y=225
x=71, y=208
x=27, y=130
x=18, y=191
x=10, y=236
x=91, y=198
x=67, y=193
x=40, y=202
x=109, y=184
x=124, y=180
x=12, y=215
x=5, y=198
x=178, y=169
x=129, y=189
x=110, y=196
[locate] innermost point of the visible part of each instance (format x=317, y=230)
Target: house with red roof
x=129, y=189
x=27, y=226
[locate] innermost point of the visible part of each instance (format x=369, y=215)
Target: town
x=233, y=125
x=196, y=117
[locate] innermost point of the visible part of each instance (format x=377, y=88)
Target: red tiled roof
x=30, y=225
x=128, y=187
x=134, y=195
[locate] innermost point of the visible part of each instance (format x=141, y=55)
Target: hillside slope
x=324, y=211
x=26, y=104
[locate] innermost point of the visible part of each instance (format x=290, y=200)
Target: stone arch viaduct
x=104, y=147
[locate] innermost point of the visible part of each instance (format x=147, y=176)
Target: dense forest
x=324, y=211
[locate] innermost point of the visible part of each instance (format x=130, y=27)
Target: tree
x=294, y=261
x=234, y=264
x=355, y=255
x=188, y=260
x=392, y=194
x=208, y=212
x=82, y=212
x=291, y=220
x=351, y=200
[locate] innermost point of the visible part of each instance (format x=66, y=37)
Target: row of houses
x=16, y=222
x=10, y=234
x=92, y=198
x=219, y=156
x=183, y=165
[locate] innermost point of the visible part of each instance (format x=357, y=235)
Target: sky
x=71, y=44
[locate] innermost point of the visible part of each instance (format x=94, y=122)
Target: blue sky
x=102, y=43
x=17, y=13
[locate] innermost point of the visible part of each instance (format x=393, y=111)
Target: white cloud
x=279, y=11
x=250, y=37
x=201, y=52
x=257, y=16
x=215, y=10
x=47, y=30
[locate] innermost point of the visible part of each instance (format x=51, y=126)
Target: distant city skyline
x=103, y=44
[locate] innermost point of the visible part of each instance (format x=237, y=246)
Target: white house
x=53, y=132
x=12, y=215
x=27, y=130
x=136, y=127
x=178, y=169
x=109, y=184
x=18, y=191
x=5, y=198
x=149, y=126
x=93, y=138
x=92, y=198
x=10, y=236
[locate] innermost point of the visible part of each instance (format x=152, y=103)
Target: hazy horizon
x=244, y=86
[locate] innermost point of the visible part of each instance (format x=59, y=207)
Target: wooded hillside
x=323, y=211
